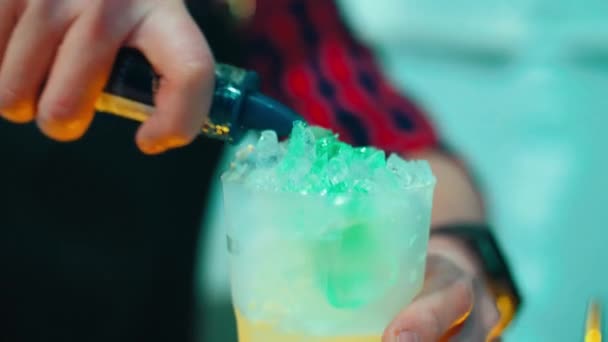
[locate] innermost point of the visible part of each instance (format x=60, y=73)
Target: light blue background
x=521, y=89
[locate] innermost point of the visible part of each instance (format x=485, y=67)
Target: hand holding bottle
x=55, y=58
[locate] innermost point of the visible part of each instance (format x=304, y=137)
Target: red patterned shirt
x=309, y=59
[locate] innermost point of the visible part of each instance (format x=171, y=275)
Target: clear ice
x=314, y=161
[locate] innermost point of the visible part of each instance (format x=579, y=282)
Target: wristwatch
x=480, y=241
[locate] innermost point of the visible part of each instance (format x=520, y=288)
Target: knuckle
x=59, y=108
x=432, y=321
x=103, y=23
x=98, y=28
x=197, y=68
x=10, y=95
x=42, y=6
x=112, y=4
x=52, y=14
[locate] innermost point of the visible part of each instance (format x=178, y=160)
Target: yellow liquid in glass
x=261, y=332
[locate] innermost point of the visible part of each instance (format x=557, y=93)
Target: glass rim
x=399, y=191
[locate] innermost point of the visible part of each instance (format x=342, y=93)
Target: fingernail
x=65, y=130
x=408, y=336
x=175, y=142
x=19, y=113
x=152, y=148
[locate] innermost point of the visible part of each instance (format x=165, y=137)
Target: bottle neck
x=130, y=92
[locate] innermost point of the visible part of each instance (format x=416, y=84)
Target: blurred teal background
x=520, y=89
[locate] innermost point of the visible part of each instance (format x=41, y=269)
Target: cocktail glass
x=313, y=268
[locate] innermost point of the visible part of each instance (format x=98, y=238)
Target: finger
x=488, y=312
x=28, y=56
x=82, y=66
x=8, y=19
x=176, y=48
x=429, y=317
x=482, y=319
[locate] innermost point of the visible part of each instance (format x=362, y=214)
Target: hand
x=453, y=306
x=66, y=48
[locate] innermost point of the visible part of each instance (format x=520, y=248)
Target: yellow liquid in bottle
x=133, y=110
x=122, y=107
x=263, y=332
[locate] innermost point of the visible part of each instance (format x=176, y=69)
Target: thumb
x=432, y=315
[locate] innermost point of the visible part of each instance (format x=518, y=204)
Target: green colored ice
x=347, y=273
x=315, y=161
x=351, y=266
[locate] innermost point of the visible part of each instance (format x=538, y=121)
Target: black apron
x=97, y=241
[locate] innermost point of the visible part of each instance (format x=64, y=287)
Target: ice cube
x=400, y=168
x=268, y=150
x=301, y=141
x=314, y=161
x=337, y=171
